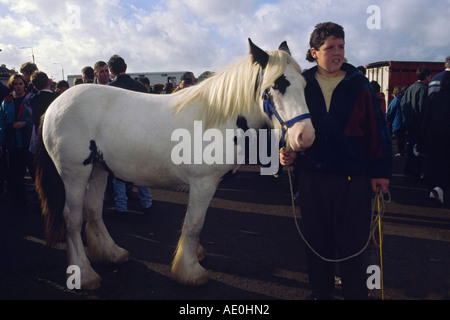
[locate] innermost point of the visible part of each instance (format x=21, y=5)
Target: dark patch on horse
x=281, y=84
x=241, y=123
x=95, y=156
x=92, y=155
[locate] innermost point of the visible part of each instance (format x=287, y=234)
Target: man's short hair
x=88, y=71
x=99, y=64
x=39, y=79
x=28, y=68
x=117, y=64
x=423, y=72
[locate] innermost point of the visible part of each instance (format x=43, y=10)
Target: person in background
x=4, y=92
x=187, y=80
x=434, y=139
x=168, y=88
x=40, y=102
x=435, y=82
x=350, y=159
x=118, y=68
x=380, y=95
x=61, y=86
x=413, y=106
x=27, y=69
x=395, y=117
x=15, y=134
x=101, y=73
x=87, y=74
x=362, y=70
x=77, y=81
x=146, y=82
x=158, y=88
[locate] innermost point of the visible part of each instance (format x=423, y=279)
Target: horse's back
x=129, y=131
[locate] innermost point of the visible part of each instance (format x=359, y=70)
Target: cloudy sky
x=208, y=35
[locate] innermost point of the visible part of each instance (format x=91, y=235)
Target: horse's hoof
x=122, y=257
x=201, y=278
x=91, y=284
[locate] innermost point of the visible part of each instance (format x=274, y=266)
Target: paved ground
x=254, y=250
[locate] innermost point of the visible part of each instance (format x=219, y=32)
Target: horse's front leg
x=186, y=268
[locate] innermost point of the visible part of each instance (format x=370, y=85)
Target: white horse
x=92, y=130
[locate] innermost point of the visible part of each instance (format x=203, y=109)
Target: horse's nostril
x=300, y=139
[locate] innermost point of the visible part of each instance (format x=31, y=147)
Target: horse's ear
x=258, y=55
x=284, y=47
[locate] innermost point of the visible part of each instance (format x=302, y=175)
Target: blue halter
x=270, y=110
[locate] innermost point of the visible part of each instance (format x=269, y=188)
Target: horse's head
x=283, y=96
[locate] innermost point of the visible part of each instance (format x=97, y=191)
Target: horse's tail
x=50, y=189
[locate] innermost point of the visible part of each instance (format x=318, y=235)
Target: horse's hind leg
x=101, y=247
x=186, y=268
x=73, y=217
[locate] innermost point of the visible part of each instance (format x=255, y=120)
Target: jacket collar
x=350, y=71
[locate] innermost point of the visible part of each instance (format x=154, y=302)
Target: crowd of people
x=101, y=74
x=350, y=160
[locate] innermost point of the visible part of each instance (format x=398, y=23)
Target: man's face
x=330, y=56
x=102, y=74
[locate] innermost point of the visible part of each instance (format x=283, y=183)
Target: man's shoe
x=148, y=211
x=438, y=194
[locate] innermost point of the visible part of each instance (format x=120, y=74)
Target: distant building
x=5, y=73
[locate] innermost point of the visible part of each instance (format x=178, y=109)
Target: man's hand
x=382, y=182
x=287, y=157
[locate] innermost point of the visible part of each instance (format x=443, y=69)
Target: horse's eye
x=275, y=86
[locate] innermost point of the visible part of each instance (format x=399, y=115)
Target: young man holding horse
x=350, y=158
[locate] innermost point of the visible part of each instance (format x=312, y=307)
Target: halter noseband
x=270, y=110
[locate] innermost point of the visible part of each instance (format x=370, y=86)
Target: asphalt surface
x=254, y=251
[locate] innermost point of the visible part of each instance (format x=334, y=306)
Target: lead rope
x=377, y=214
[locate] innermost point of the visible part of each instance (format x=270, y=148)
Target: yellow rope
x=380, y=199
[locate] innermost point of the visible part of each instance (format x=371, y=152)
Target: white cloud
x=203, y=35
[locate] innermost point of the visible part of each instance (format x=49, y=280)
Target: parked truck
x=390, y=74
